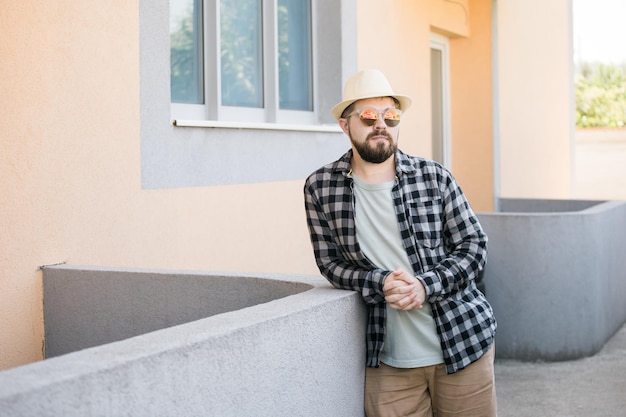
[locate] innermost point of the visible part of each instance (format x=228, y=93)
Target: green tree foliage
x=600, y=95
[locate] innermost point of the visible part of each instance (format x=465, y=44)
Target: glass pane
x=241, y=53
x=436, y=98
x=186, y=55
x=294, y=55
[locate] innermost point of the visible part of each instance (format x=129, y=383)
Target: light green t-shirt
x=411, y=339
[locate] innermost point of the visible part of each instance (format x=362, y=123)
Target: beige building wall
x=535, y=88
x=402, y=50
x=396, y=40
x=531, y=155
x=471, y=85
x=70, y=172
x=70, y=142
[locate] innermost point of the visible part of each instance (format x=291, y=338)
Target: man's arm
x=465, y=244
x=464, y=249
x=341, y=273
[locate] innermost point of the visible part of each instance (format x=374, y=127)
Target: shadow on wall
x=555, y=276
x=132, y=343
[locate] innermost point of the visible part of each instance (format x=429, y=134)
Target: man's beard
x=378, y=153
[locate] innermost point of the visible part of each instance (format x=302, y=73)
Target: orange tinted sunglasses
x=369, y=116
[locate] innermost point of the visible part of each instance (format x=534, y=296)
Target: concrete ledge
x=284, y=357
x=90, y=307
x=556, y=276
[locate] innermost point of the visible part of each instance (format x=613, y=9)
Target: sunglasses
x=369, y=116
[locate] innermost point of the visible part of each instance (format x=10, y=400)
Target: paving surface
x=588, y=387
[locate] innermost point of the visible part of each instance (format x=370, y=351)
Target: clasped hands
x=403, y=291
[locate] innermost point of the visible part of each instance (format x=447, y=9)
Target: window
x=244, y=60
x=212, y=151
x=440, y=99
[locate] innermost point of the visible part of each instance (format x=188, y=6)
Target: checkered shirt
x=443, y=240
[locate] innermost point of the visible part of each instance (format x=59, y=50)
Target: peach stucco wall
x=397, y=40
x=471, y=92
x=70, y=142
x=536, y=99
x=70, y=172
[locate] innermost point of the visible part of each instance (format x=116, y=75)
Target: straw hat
x=368, y=84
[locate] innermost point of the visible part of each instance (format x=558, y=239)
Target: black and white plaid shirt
x=442, y=237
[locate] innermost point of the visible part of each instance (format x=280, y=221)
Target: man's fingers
x=393, y=284
x=399, y=305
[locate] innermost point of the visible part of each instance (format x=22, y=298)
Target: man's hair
x=350, y=108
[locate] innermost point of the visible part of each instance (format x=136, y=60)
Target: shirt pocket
x=426, y=217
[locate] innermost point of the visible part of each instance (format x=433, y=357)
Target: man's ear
x=345, y=126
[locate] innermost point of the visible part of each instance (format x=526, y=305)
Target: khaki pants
x=429, y=391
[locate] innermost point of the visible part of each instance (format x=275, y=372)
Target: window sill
x=264, y=126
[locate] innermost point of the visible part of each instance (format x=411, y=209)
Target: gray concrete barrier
x=555, y=276
x=157, y=343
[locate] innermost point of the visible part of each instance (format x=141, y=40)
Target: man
x=398, y=230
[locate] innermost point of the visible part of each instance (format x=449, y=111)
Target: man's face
x=374, y=143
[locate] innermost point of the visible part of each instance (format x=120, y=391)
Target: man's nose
x=380, y=123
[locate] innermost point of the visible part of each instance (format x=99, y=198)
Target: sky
x=600, y=31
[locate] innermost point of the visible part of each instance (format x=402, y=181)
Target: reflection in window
x=186, y=51
x=294, y=55
x=257, y=60
x=241, y=53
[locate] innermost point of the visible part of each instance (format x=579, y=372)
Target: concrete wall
x=302, y=354
x=556, y=276
x=90, y=307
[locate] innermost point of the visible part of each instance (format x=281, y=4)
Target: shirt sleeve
x=357, y=274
